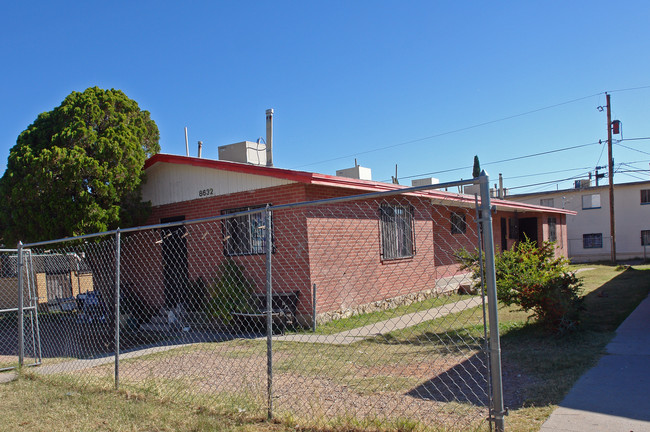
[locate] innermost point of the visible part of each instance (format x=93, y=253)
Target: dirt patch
x=419, y=391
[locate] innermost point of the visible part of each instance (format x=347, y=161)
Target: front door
x=174, y=255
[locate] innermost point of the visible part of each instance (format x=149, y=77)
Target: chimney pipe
x=501, y=186
x=200, y=147
x=269, y=137
x=187, y=145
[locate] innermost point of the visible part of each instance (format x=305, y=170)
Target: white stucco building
x=588, y=232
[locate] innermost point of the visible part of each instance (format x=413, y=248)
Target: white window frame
x=591, y=201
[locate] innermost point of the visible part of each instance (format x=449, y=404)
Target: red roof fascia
x=299, y=176
x=335, y=181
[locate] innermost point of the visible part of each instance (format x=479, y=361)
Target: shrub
x=530, y=277
x=231, y=291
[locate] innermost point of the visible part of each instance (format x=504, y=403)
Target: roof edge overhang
x=341, y=182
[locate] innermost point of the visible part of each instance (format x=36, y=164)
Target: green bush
x=231, y=291
x=530, y=277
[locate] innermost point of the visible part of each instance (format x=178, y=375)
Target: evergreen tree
x=78, y=169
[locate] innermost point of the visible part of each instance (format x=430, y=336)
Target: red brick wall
x=337, y=247
x=345, y=252
x=205, y=244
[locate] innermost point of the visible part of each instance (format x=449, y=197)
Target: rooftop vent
x=425, y=181
x=357, y=172
x=244, y=152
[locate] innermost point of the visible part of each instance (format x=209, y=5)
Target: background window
x=645, y=196
x=458, y=223
x=592, y=241
x=547, y=202
x=396, y=224
x=645, y=238
x=245, y=234
x=590, y=201
x=552, y=229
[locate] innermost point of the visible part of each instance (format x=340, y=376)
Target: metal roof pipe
x=200, y=148
x=269, y=137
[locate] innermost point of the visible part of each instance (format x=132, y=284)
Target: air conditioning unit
x=425, y=181
x=357, y=172
x=581, y=184
x=472, y=189
x=244, y=152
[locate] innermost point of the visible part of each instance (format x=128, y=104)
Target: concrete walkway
x=614, y=396
x=382, y=327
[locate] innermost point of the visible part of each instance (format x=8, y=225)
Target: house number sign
x=206, y=192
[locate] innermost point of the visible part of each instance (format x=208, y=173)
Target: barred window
x=245, y=234
x=592, y=241
x=458, y=223
x=645, y=238
x=552, y=229
x=396, y=224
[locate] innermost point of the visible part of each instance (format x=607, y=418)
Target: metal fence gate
x=347, y=311
x=19, y=331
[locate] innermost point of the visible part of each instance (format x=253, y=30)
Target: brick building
x=356, y=252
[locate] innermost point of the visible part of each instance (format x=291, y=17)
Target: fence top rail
x=366, y=196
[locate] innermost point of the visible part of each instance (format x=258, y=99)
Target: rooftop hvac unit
x=357, y=172
x=425, y=181
x=244, y=152
x=472, y=189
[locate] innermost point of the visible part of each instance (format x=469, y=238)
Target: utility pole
x=612, y=224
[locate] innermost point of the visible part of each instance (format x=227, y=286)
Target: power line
x=617, y=171
x=601, y=155
x=452, y=131
x=550, y=182
x=635, y=139
x=631, y=175
x=501, y=161
x=628, y=89
x=631, y=148
x=545, y=173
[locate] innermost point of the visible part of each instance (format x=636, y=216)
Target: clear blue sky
x=349, y=78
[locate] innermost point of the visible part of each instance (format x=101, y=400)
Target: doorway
x=174, y=256
x=528, y=229
x=504, y=234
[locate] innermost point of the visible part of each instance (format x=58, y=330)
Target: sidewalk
x=614, y=395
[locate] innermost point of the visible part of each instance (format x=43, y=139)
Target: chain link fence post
x=117, y=309
x=498, y=410
x=21, y=328
x=269, y=310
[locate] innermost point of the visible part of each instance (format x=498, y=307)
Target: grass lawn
x=34, y=404
x=538, y=371
x=551, y=365
x=361, y=320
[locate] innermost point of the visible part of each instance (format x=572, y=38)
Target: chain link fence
x=13, y=350
x=350, y=311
